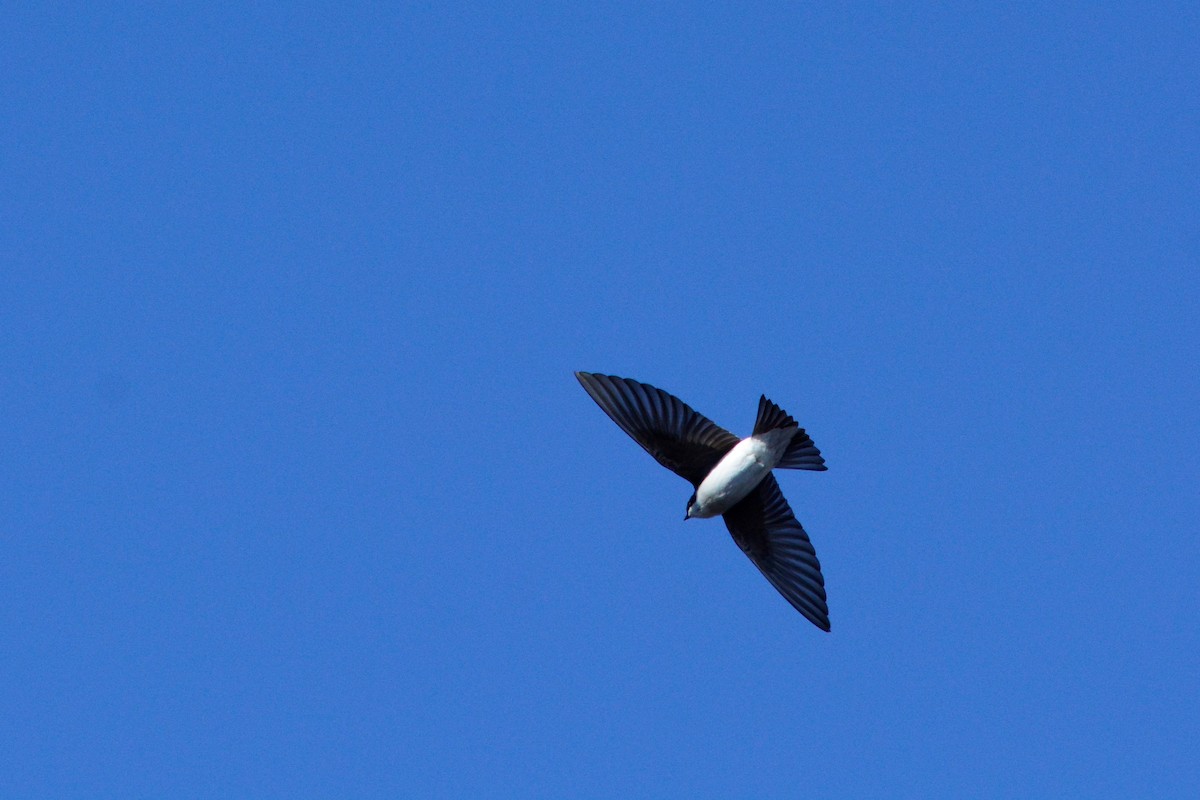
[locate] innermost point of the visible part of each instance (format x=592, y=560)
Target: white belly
x=742, y=468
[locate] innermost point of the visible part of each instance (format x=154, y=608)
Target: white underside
x=742, y=469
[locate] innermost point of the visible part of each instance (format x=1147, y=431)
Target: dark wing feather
x=764, y=527
x=682, y=440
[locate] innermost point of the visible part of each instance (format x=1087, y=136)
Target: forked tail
x=801, y=453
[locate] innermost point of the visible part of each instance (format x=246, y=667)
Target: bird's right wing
x=682, y=440
x=765, y=528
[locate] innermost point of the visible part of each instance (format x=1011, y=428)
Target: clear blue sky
x=300, y=497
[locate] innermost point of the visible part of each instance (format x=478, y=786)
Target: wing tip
x=598, y=378
x=818, y=616
x=816, y=613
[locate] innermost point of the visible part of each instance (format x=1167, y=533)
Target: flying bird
x=732, y=477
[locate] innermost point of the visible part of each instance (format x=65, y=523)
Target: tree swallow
x=732, y=478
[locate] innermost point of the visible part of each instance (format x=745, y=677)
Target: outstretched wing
x=682, y=440
x=767, y=531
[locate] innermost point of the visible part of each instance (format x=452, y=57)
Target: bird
x=732, y=478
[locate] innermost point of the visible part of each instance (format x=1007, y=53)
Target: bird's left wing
x=681, y=439
x=765, y=528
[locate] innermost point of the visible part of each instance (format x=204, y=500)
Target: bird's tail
x=801, y=453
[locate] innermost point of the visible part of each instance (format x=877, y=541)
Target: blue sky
x=301, y=499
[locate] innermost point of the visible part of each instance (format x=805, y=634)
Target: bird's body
x=739, y=472
x=732, y=478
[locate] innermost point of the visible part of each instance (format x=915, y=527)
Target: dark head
x=691, y=504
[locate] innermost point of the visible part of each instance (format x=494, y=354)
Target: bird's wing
x=682, y=440
x=764, y=527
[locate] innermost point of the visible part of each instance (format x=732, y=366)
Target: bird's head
x=691, y=508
